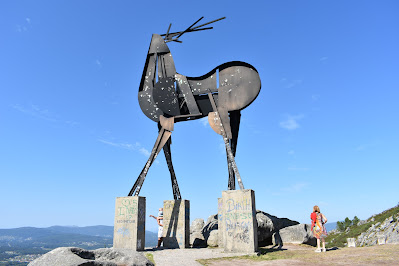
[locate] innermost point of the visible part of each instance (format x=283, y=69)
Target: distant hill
x=98, y=230
x=28, y=242
x=100, y=235
x=331, y=226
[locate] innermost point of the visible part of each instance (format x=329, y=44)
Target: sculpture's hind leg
x=168, y=157
x=235, y=117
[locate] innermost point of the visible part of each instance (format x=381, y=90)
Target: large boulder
x=211, y=225
x=295, y=234
x=213, y=239
x=197, y=239
x=268, y=225
x=200, y=232
x=71, y=256
x=197, y=225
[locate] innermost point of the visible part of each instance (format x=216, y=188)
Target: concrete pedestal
x=351, y=242
x=381, y=239
x=240, y=232
x=129, y=225
x=221, y=230
x=176, y=223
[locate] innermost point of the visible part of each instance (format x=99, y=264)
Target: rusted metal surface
x=167, y=97
x=167, y=123
x=230, y=158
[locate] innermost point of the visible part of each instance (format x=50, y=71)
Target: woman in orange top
x=319, y=230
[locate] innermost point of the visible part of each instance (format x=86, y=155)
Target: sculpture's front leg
x=168, y=157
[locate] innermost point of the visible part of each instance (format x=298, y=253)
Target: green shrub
x=355, y=221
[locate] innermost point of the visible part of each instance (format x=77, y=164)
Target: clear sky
x=323, y=130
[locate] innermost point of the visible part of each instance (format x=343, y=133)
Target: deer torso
x=234, y=85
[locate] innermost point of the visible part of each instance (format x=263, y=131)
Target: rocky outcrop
x=213, y=239
x=388, y=230
x=197, y=225
x=211, y=225
x=200, y=232
x=268, y=225
x=70, y=256
x=295, y=234
x=197, y=239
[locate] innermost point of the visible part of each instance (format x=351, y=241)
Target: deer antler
x=168, y=37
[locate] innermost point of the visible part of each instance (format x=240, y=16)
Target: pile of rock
x=271, y=230
x=380, y=233
x=197, y=238
x=203, y=235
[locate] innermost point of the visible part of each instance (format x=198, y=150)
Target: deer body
x=165, y=92
x=166, y=97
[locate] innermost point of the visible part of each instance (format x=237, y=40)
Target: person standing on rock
x=319, y=230
x=160, y=226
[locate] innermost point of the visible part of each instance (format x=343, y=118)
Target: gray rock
x=268, y=225
x=213, y=239
x=361, y=222
x=211, y=224
x=388, y=229
x=71, y=256
x=59, y=256
x=295, y=234
x=197, y=240
x=197, y=225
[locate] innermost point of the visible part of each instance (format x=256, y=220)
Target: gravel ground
x=188, y=256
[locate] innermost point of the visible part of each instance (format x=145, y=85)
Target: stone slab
x=239, y=216
x=176, y=223
x=129, y=224
x=351, y=242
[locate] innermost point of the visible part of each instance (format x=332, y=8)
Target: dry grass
x=150, y=257
x=298, y=255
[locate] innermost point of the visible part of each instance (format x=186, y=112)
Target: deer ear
x=158, y=45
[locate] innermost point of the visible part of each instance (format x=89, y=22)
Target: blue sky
x=324, y=129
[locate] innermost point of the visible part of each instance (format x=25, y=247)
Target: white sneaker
x=318, y=250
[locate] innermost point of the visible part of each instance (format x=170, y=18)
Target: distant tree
x=347, y=222
x=340, y=226
x=355, y=220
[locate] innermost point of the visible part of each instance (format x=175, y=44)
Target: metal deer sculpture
x=167, y=97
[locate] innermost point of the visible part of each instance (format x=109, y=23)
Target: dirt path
x=289, y=255
x=376, y=255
